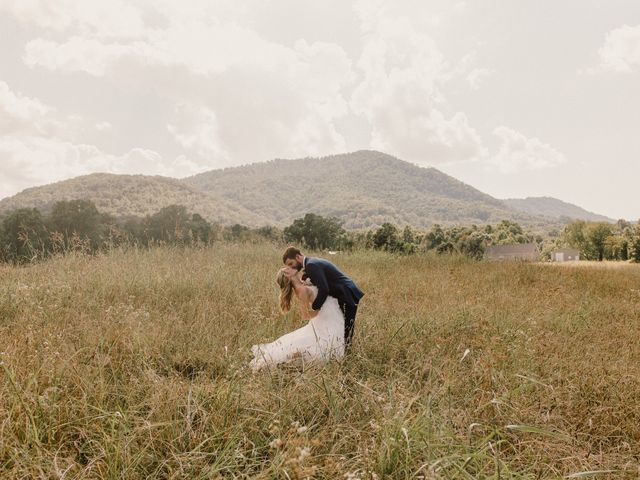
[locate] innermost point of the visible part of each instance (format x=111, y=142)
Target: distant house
x=565, y=255
x=517, y=251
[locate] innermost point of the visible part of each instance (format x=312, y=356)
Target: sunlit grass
x=133, y=365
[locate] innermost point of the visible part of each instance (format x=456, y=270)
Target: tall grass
x=134, y=365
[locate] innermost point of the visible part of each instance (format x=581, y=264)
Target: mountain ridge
x=554, y=208
x=129, y=195
x=364, y=189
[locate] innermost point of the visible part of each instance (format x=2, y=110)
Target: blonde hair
x=286, y=290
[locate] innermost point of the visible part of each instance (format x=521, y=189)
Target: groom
x=330, y=281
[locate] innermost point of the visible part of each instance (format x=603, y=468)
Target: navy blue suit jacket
x=330, y=281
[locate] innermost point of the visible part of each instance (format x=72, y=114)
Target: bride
x=320, y=339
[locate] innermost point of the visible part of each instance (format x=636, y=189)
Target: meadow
x=133, y=364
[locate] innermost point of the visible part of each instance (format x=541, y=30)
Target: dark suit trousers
x=349, y=312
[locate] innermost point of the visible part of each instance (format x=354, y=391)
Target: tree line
x=604, y=241
x=77, y=225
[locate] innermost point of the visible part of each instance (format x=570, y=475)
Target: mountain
x=554, y=208
x=364, y=189
x=126, y=195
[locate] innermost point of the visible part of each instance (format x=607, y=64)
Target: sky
x=527, y=98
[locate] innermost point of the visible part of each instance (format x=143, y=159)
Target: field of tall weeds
x=133, y=365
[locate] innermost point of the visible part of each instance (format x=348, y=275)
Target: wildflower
x=303, y=453
x=275, y=443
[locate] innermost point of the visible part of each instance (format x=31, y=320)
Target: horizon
x=516, y=101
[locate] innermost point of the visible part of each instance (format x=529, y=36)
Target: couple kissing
x=327, y=298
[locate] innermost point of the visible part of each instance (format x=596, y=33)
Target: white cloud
x=518, y=152
x=477, y=76
x=620, y=52
x=24, y=115
x=197, y=130
x=401, y=96
x=19, y=111
x=205, y=45
x=76, y=54
x=286, y=98
x=116, y=18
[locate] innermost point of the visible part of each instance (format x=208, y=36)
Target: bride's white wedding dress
x=320, y=339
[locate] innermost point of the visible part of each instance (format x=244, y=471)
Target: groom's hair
x=290, y=252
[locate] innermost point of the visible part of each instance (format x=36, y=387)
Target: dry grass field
x=606, y=264
x=132, y=365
